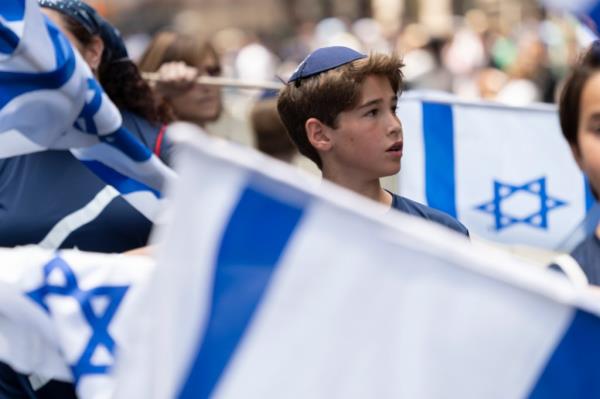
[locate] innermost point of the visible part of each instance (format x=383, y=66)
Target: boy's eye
x=593, y=123
x=372, y=112
x=594, y=127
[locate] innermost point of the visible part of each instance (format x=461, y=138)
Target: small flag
x=505, y=172
x=60, y=314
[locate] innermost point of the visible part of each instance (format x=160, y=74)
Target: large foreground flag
x=61, y=317
x=505, y=172
x=49, y=99
x=271, y=287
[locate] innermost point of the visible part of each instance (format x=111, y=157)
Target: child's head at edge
x=579, y=112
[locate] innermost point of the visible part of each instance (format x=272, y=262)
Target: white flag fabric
x=505, y=172
x=268, y=288
x=60, y=313
x=50, y=100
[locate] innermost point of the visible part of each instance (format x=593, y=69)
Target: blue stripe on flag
x=589, y=197
x=123, y=140
x=572, y=371
x=254, y=239
x=15, y=84
x=12, y=10
x=438, y=132
x=91, y=108
x=9, y=41
x=123, y=184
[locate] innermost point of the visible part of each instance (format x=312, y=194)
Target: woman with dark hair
x=579, y=112
x=101, y=46
x=179, y=59
x=50, y=198
x=65, y=184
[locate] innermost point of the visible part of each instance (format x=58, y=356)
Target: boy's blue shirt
x=414, y=208
x=587, y=254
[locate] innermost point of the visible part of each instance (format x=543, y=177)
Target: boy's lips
x=396, y=147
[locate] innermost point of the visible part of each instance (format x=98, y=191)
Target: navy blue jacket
x=37, y=190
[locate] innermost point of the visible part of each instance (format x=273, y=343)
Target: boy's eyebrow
x=376, y=101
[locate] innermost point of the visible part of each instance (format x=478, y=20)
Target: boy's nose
x=395, y=126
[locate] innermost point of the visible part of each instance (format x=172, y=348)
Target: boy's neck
x=369, y=188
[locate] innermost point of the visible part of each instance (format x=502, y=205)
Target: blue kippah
x=324, y=59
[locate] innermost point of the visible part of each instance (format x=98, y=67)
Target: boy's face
x=587, y=153
x=367, y=142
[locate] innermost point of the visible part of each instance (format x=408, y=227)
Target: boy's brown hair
x=324, y=96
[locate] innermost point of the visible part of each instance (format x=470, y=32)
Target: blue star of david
x=503, y=191
x=98, y=322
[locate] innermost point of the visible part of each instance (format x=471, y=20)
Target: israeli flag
x=505, y=172
x=50, y=100
x=60, y=314
x=272, y=286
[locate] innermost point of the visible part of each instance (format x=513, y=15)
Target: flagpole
x=221, y=81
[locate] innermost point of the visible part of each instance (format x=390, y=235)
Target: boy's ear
x=318, y=134
x=576, y=154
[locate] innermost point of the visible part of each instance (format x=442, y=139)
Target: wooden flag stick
x=220, y=81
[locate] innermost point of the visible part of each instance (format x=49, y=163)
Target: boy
x=339, y=108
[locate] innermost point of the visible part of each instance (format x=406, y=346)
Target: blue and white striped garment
x=505, y=172
x=300, y=292
x=50, y=100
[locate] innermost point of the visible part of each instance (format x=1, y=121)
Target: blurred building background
x=280, y=16
x=462, y=37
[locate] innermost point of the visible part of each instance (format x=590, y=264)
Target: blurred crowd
x=478, y=58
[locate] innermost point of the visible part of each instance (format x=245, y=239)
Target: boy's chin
x=395, y=169
x=391, y=172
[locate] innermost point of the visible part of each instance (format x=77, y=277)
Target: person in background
x=269, y=132
x=63, y=181
x=179, y=60
x=39, y=190
x=579, y=112
x=103, y=49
